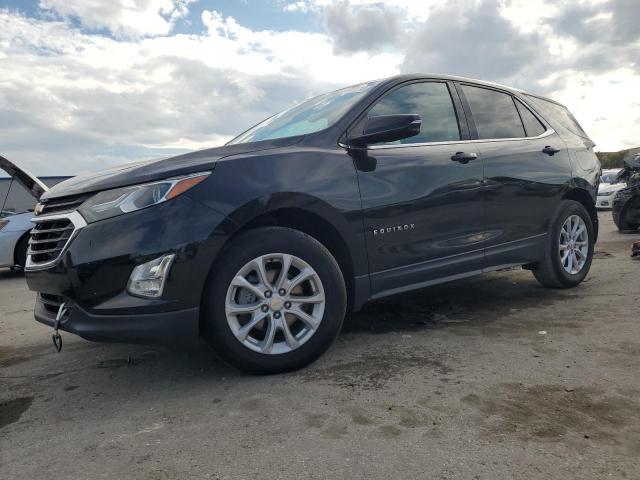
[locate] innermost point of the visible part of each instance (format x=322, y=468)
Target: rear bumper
x=178, y=328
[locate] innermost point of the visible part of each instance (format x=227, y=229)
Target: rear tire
x=567, y=258
x=628, y=221
x=291, y=325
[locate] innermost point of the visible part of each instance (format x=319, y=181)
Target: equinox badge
x=395, y=228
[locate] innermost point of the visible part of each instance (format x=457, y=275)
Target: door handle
x=551, y=151
x=463, y=157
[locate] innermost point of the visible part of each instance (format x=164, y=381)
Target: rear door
x=422, y=208
x=526, y=170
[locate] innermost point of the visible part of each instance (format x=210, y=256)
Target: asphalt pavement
x=492, y=378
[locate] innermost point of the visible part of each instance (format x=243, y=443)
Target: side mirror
x=387, y=128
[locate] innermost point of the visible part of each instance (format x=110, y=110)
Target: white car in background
x=608, y=188
x=18, y=197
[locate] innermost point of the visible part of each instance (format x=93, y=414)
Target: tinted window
x=558, y=115
x=532, y=125
x=494, y=113
x=432, y=101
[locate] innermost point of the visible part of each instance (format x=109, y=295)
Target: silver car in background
x=19, y=193
x=609, y=186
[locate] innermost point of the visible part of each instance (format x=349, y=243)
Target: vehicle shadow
x=109, y=370
x=7, y=273
x=474, y=301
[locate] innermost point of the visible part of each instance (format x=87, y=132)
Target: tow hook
x=55, y=336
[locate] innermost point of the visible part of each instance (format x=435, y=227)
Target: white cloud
x=130, y=18
x=76, y=97
x=73, y=101
x=604, y=105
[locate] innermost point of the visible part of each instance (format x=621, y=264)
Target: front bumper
x=603, y=203
x=179, y=328
x=92, y=274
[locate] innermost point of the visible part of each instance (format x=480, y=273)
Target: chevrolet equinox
x=262, y=245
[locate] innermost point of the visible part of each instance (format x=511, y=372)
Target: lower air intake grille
x=50, y=302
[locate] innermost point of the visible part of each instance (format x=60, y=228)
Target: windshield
x=308, y=117
x=609, y=178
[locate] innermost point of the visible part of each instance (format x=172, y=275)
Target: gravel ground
x=489, y=378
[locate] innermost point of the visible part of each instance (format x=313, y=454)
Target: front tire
x=569, y=248
x=276, y=301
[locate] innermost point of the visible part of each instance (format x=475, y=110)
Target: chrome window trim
x=548, y=132
x=78, y=223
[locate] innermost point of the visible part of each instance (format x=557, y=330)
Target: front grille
x=48, y=239
x=51, y=303
x=63, y=204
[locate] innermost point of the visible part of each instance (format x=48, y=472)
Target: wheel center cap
x=277, y=304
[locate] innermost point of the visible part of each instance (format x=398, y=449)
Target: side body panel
x=523, y=186
x=18, y=226
x=423, y=215
x=318, y=179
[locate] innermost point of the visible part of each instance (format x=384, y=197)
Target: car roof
x=454, y=78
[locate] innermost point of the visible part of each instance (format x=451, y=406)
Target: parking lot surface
x=490, y=378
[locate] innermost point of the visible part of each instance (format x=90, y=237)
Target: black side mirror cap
x=387, y=128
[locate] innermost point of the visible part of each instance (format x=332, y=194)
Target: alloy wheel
x=275, y=303
x=573, y=244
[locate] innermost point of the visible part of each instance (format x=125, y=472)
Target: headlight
x=606, y=194
x=112, y=203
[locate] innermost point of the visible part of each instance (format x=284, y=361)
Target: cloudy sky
x=86, y=84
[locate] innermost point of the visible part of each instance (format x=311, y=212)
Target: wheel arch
x=310, y=215
x=583, y=197
x=16, y=249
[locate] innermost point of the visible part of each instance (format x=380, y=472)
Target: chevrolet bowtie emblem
x=39, y=208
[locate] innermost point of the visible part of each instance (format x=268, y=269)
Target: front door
x=422, y=196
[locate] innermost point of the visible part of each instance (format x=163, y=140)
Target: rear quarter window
x=558, y=115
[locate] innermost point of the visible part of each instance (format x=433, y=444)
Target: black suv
x=262, y=245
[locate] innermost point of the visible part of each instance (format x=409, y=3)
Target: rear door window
x=494, y=113
x=432, y=101
x=532, y=125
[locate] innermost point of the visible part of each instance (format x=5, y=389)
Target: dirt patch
x=9, y=356
x=12, y=410
x=601, y=255
x=372, y=371
x=553, y=413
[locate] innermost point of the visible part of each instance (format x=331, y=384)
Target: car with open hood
x=261, y=246
x=626, y=203
x=19, y=192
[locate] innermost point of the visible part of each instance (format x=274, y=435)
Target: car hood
x=610, y=187
x=159, y=169
x=27, y=180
